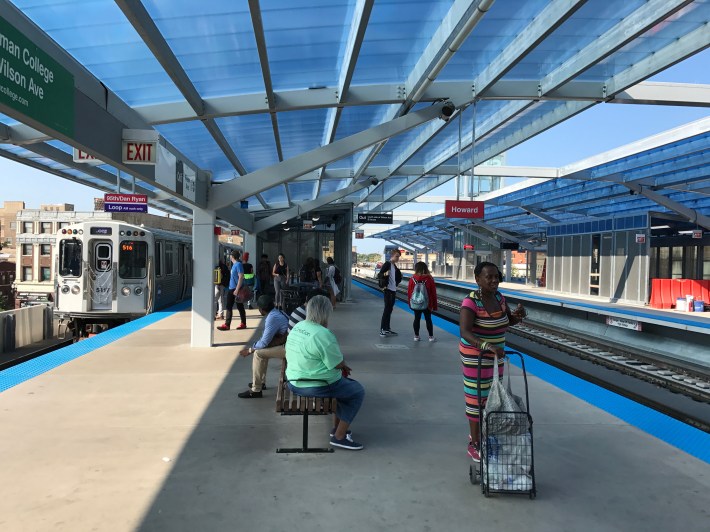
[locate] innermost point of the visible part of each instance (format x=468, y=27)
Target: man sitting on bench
x=315, y=368
x=270, y=345
x=260, y=362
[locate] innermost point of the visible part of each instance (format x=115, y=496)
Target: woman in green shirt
x=315, y=368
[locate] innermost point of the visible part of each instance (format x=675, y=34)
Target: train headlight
x=139, y=290
x=75, y=289
x=123, y=233
x=126, y=291
x=65, y=289
x=81, y=231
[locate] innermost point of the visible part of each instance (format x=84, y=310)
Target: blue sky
x=599, y=129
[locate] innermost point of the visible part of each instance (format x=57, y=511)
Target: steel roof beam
x=265, y=178
x=143, y=23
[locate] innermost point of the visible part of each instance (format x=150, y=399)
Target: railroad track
x=659, y=372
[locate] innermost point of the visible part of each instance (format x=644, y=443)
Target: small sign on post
x=640, y=239
x=79, y=156
x=463, y=209
x=697, y=233
x=125, y=203
x=360, y=234
x=308, y=224
x=374, y=218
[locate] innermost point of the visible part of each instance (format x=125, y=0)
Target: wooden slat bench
x=290, y=404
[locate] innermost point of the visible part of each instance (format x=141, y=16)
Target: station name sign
x=374, y=218
x=463, y=209
x=125, y=203
x=33, y=84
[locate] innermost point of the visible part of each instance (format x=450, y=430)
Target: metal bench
x=291, y=404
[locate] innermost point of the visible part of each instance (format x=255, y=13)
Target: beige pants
x=260, y=363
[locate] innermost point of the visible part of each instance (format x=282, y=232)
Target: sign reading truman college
x=374, y=218
x=34, y=84
x=463, y=209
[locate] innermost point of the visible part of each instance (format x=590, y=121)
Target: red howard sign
x=463, y=209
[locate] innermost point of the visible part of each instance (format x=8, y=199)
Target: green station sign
x=34, y=84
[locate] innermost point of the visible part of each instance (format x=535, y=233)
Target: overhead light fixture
x=315, y=217
x=284, y=222
x=286, y=228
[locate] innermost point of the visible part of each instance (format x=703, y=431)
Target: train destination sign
x=125, y=203
x=374, y=218
x=33, y=84
x=463, y=209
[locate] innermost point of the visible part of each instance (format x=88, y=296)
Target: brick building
x=8, y=223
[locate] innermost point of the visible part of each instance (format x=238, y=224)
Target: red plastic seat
x=667, y=300
x=656, y=298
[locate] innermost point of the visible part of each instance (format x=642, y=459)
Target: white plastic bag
x=506, y=409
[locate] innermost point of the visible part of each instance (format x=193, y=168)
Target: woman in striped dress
x=484, y=318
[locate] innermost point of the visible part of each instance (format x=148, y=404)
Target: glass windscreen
x=133, y=259
x=70, y=258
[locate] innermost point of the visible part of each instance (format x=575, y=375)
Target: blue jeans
x=348, y=392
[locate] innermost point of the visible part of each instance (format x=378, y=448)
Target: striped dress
x=489, y=328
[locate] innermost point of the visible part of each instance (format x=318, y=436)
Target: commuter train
x=109, y=272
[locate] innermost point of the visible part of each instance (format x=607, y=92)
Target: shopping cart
x=507, y=464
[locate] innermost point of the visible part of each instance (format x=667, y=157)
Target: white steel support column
x=204, y=252
x=508, y=265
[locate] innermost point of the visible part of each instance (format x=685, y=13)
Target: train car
x=110, y=272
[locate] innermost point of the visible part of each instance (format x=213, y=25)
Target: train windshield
x=70, y=258
x=133, y=259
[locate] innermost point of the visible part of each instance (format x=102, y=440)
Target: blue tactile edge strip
x=32, y=368
x=681, y=435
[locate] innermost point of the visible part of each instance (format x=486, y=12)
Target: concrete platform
x=148, y=434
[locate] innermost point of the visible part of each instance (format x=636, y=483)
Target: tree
x=4, y=302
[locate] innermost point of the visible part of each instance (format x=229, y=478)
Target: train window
x=102, y=257
x=133, y=259
x=169, y=258
x=70, y=258
x=159, y=259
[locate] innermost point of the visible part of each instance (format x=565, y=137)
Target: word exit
x=135, y=152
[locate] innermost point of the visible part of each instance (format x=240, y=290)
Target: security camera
x=447, y=110
x=374, y=180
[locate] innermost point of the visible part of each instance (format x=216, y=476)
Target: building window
x=26, y=249
x=46, y=228
x=13, y=225
x=46, y=273
x=45, y=249
x=62, y=225
x=28, y=227
x=27, y=273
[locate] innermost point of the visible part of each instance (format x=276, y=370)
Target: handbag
x=243, y=294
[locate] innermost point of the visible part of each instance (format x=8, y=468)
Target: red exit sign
x=463, y=209
x=140, y=146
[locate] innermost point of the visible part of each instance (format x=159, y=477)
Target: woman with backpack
x=330, y=281
x=421, y=294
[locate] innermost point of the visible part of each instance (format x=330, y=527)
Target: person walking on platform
x=263, y=272
x=330, y=283
x=316, y=368
x=220, y=289
x=270, y=345
x=421, y=294
x=280, y=274
x=236, y=280
x=483, y=320
x=249, y=277
x=388, y=278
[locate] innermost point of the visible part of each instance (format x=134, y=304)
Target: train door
x=101, y=275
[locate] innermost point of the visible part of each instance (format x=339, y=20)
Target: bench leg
x=305, y=448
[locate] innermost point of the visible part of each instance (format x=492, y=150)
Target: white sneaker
x=416, y=338
x=432, y=339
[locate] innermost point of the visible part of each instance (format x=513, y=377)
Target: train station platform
x=134, y=430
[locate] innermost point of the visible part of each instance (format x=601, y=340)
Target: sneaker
x=242, y=326
x=348, y=434
x=263, y=387
x=432, y=339
x=390, y=332
x=345, y=443
x=474, y=452
x=416, y=338
x=383, y=333
x=223, y=327
x=250, y=395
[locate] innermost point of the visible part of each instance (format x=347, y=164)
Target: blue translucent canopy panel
x=498, y=27
x=397, y=35
x=396, y=145
x=331, y=185
x=254, y=204
x=214, y=42
x=302, y=191
x=692, y=70
x=100, y=37
x=301, y=131
x=8, y=121
x=252, y=139
x=419, y=187
x=688, y=19
x=192, y=139
x=590, y=21
x=275, y=197
x=354, y=120
x=312, y=29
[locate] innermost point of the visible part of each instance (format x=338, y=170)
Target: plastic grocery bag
x=507, y=411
